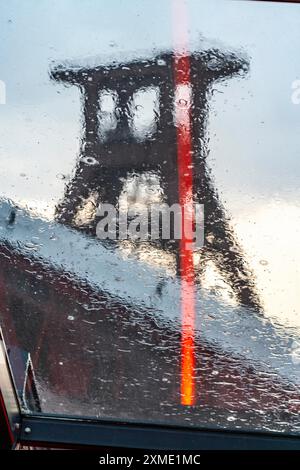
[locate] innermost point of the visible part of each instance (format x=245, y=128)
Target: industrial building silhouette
x=105, y=162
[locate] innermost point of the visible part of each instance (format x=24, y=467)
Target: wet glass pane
x=149, y=213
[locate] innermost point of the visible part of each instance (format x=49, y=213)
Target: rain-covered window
x=149, y=212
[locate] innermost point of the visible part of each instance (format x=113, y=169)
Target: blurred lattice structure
x=105, y=162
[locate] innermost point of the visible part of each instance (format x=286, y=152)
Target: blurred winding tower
x=106, y=160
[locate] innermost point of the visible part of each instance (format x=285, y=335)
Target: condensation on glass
x=134, y=106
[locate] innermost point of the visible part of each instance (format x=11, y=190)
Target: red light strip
x=181, y=67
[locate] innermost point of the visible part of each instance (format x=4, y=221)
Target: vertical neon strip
x=183, y=97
